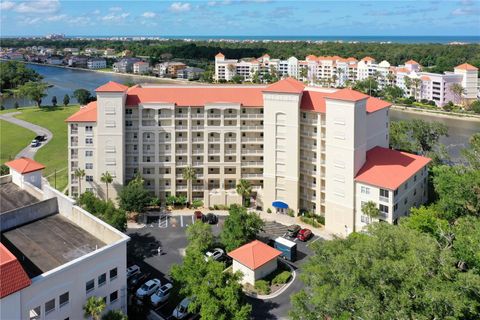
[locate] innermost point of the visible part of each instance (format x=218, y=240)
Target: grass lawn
x=54, y=155
x=12, y=140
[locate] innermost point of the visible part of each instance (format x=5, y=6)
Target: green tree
x=94, y=307
x=83, y=96
x=107, y=179
x=304, y=73
x=189, y=174
x=244, y=189
x=416, y=84
x=426, y=220
x=16, y=105
x=200, y=236
x=66, y=100
x=54, y=101
x=353, y=278
x=15, y=74
x=256, y=77
x=134, y=197
x=240, y=227
x=368, y=86
x=104, y=210
x=472, y=153
x=4, y=170
x=371, y=210
x=408, y=84
x=114, y=315
x=393, y=93
x=34, y=91
x=466, y=246
x=458, y=91
x=79, y=174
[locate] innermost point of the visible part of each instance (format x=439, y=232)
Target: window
x=88, y=165
x=395, y=193
x=88, y=140
x=415, y=178
x=89, y=178
x=64, y=298
x=395, y=207
x=365, y=190
x=364, y=218
x=128, y=111
x=102, y=279
x=50, y=306
x=113, y=296
x=88, y=153
x=406, y=185
x=90, y=285
x=35, y=313
x=129, y=123
x=383, y=208
x=88, y=129
x=113, y=273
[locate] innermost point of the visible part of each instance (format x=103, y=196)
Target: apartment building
x=301, y=146
x=336, y=71
x=53, y=254
x=96, y=63
x=141, y=67
x=125, y=65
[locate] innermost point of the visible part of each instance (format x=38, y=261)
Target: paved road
x=28, y=151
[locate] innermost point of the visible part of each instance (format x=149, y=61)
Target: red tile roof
x=315, y=101
x=411, y=62
x=466, y=66
x=368, y=59
x=85, y=114
x=389, y=169
x=287, y=85
x=25, y=165
x=254, y=254
x=425, y=78
x=197, y=96
x=12, y=276
x=348, y=95
x=402, y=70
x=112, y=86
x=219, y=55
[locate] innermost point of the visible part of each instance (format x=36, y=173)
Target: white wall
x=10, y=307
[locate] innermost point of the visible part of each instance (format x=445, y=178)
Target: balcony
x=247, y=139
x=252, y=164
x=213, y=151
x=310, y=121
x=383, y=199
x=181, y=187
x=146, y=140
x=181, y=163
x=247, y=151
x=197, y=163
x=252, y=128
x=213, y=139
x=251, y=116
x=197, y=115
x=181, y=151
x=74, y=142
x=73, y=131
x=252, y=175
x=181, y=115
x=230, y=139
x=230, y=151
x=197, y=140
x=197, y=151
x=181, y=127
x=197, y=188
x=230, y=116
x=178, y=140
x=308, y=133
x=164, y=116
x=214, y=115
x=198, y=127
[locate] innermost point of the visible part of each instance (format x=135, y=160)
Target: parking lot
x=169, y=233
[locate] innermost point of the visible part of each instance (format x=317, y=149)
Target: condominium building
x=141, y=67
x=53, y=254
x=336, y=71
x=302, y=146
x=96, y=63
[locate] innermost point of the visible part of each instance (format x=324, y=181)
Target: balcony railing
x=252, y=163
x=213, y=139
x=251, y=127
x=383, y=199
x=251, y=151
x=252, y=115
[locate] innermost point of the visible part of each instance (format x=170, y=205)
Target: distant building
x=190, y=73
x=77, y=61
x=96, y=63
x=169, y=69
x=125, y=65
x=53, y=254
x=91, y=51
x=55, y=60
x=15, y=56
x=74, y=51
x=109, y=53
x=141, y=67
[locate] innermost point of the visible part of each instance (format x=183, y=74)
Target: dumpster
x=287, y=247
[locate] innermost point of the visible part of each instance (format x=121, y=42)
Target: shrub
x=155, y=202
x=475, y=106
x=311, y=221
x=449, y=106
x=282, y=278
x=197, y=203
x=269, y=210
x=291, y=213
x=262, y=287
x=321, y=219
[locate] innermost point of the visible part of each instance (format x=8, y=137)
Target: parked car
x=148, y=288
x=41, y=138
x=181, y=311
x=216, y=254
x=293, y=230
x=198, y=215
x=34, y=143
x=304, y=234
x=136, y=279
x=132, y=270
x=161, y=295
x=210, y=218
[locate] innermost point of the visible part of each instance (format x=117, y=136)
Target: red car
x=304, y=234
x=198, y=215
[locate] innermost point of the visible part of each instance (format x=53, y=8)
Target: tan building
x=302, y=146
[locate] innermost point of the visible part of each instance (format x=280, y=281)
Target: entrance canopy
x=279, y=204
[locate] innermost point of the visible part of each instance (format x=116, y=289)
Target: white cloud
x=7, y=5
x=115, y=17
x=149, y=14
x=115, y=9
x=38, y=6
x=59, y=17
x=96, y=11
x=467, y=11
x=179, y=7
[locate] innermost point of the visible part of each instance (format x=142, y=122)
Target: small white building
x=96, y=63
x=141, y=67
x=255, y=261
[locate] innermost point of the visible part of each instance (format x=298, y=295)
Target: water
x=66, y=81
x=459, y=130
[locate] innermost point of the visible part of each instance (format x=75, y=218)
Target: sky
x=240, y=18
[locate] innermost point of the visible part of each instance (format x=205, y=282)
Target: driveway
x=28, y=152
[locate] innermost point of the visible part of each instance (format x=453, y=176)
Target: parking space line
x=313, y=241
x=181, y=221
x=193, y=221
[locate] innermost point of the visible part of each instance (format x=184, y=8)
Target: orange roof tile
x=25, y=165
x=389, y=169
x=368, y=59
x=348, y=95
x=254, y=254
x=219, y=55
x=402, y=70
x=411, y=62
x=85, y=114
x=466, y=66
x=425, y=78
x=351, y=59
x=266, y=55
x=12, y=276
x=112, y=86
x=315, y=101
x=287, y=85
x=311, y=57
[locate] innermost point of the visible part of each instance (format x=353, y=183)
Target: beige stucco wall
x=249, y=275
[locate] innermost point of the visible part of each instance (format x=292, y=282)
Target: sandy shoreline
x=438, y=114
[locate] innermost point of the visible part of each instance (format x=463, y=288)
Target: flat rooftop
x=13, y=197
x=47, y=243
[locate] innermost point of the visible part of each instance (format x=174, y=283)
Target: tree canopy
x=134, y=197
x=34, y=91
x=105, y=210
x=240, y=227
x=83, y=96
x=14, y=74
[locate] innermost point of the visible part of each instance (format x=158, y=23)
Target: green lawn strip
x=54, y=155
x=13, y=139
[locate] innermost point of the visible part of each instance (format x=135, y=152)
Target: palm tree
x=231, y=68
x=391, y=78
x=458, y=91
x=189, y=174
x=244, y=189
x=79, y=173
x=370, y=209
x=107, y=179
x=93, y=308
x=416, y=83
x=408, y=83
x=114, y=315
